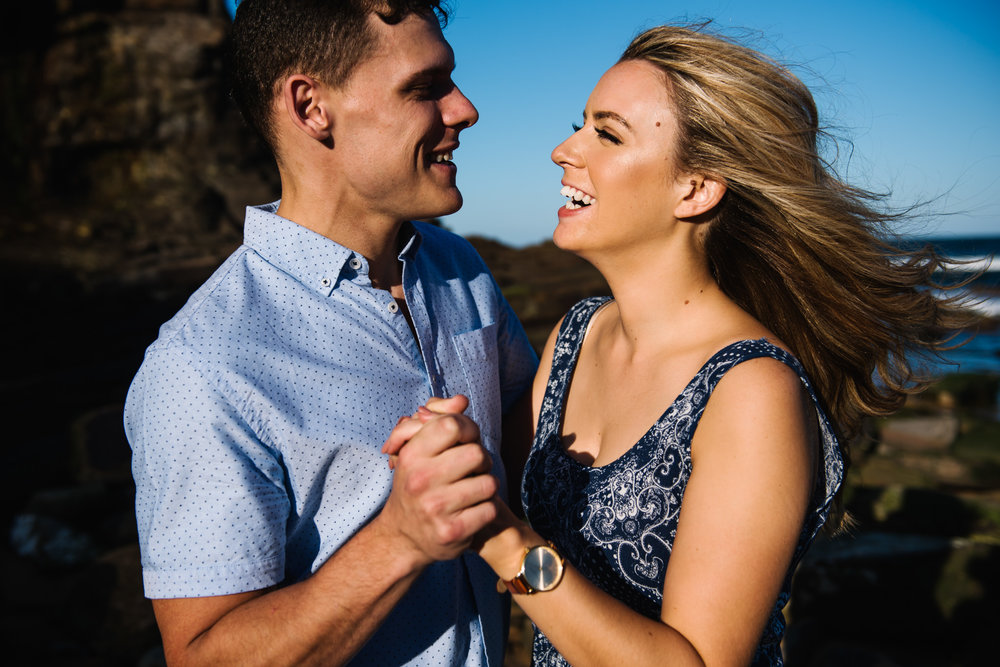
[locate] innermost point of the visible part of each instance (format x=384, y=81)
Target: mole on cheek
x=657, y=123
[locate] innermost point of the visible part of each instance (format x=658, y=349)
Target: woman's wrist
x=504, y=551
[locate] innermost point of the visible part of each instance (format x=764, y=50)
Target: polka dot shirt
x=258, y=414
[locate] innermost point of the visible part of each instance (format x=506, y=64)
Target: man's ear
x=305, y=106
x=700, y=195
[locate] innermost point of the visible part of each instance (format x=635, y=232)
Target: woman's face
x=618, y=169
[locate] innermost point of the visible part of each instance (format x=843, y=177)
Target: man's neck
x=378, y=240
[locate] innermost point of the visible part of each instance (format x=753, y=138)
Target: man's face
x=397, y=124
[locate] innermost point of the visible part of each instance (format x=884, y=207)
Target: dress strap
x=574, y=328
x=569, y=340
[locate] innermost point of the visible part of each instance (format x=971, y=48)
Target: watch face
x=542, y=568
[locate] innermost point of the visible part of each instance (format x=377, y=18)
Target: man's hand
x=442, y=492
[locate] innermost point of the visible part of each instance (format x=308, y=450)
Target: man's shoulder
x=217, y=312
x=212, y=340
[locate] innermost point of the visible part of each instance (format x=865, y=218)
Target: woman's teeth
x=443, y=157
x=577, y=198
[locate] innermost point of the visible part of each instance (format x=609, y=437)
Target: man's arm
x=439, y=500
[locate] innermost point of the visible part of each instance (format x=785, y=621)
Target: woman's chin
x=567, y=236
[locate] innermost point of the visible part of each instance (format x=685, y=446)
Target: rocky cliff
x=122, y=151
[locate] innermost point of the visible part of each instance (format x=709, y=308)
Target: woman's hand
x=408, y=426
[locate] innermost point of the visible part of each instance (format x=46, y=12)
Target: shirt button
x=325, y=282
x=393, y=307
x=355, y=263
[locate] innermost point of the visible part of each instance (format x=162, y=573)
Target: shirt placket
x=425, y=343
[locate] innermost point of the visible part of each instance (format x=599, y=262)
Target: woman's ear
x=306, y=108
x=700, y=195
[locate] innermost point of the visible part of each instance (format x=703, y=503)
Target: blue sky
x=912, y=90
x=914, y=85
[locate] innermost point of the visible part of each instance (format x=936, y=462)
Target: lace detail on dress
x=617, y=523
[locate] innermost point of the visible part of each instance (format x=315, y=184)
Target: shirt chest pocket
x=477, y=355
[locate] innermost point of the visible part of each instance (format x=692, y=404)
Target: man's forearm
x=325, y=619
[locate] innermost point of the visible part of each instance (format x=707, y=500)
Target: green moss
x=967, y=390
x=521, y=289
x=979, y=440
x=957, y=585
x=888, y=471
x=979, y=444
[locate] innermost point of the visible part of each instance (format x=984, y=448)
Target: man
x=272, y=529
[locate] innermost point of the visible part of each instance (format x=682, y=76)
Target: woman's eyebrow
x=604, y=115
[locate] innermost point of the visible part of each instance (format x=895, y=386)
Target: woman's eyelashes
x=607, y=136
x=601, y=134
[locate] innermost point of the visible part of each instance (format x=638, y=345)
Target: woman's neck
x=666, y=298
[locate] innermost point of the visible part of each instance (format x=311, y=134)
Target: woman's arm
x=753, y=461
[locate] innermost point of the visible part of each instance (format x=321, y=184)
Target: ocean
x=981, y=354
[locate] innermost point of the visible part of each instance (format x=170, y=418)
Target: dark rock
x=920, y=434
x=128, y=626
x=154, y=657
x=541, y=282
x=934, y=595
x=898, y=509
x=969, y=390
x=102, y=452
x=50, y=541
x=92, y=614
x=72, y=504
x=127, y=145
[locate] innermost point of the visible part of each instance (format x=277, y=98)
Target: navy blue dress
x=616, y=523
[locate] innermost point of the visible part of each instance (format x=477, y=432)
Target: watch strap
x=518, y=585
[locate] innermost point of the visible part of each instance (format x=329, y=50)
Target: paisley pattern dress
x=616, y=523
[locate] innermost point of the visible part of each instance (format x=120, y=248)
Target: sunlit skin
x=754, y=450
x=400, y=110
x=622, y=156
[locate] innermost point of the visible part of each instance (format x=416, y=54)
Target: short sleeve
x=211, y=506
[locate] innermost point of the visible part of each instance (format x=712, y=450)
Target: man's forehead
x=413, y=45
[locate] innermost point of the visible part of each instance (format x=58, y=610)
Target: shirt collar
x=313, y=259
x=412, y=244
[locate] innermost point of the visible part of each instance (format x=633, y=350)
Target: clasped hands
x=442, y=494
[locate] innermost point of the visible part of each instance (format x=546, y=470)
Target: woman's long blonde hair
x=804, y=252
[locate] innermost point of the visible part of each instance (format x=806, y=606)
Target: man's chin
x=442, y=208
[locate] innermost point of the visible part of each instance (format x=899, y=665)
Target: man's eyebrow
x=430, y=73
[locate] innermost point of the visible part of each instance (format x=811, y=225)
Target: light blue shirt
x=257, y=418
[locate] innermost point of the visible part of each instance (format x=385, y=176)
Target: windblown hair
x=325, y=39
x=808, y=255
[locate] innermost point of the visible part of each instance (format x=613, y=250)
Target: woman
x=754, y=300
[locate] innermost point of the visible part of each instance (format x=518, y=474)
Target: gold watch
x=541, y=570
